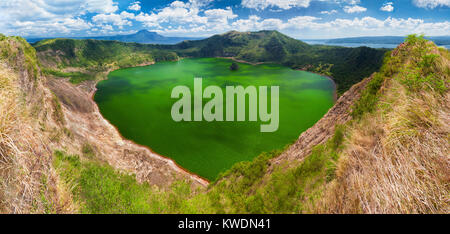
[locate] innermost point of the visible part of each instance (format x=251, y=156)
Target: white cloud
x=50, y=17
x=314, y=27
x=187, y=16
x=65, y=26
x=283, y=4
x=179, y=4
x=431, y=4
x=367, y=26
x=93, y=6
x=107, y=27
x=329, y=12
x=176, y=13
x=114, y=19
x=220, y=16
x=354, y=9
x=255, y=23
x=388, y=7
x=135, y=6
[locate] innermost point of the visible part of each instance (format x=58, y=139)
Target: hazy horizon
x=181, y=36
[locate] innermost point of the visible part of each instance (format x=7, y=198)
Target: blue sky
x=306, y=19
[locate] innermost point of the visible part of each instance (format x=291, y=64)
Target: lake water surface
x=138, y=102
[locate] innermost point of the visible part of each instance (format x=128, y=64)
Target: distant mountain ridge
x=142, y=36
x=438, y=40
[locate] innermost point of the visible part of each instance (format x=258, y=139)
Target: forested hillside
x=347, y=66
x=88, y=59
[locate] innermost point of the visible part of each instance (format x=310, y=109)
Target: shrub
x=88, y=151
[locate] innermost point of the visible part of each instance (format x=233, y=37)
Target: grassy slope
x=391, y=158
x=13, y=49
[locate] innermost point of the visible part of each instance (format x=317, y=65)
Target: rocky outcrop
x=84, y=121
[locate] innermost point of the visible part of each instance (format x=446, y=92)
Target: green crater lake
x=138, y=102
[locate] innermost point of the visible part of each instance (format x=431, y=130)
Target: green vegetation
x=94, y=58
x=420, y=72
x=58, y=114
x=324, y=69
x=75, y=77
x=234, y=66
x=88, y=151
x=99, y=189
x=13, y=47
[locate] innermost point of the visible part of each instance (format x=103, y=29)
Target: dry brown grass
x=397, y=159
x=19, y=165
x=27, y=180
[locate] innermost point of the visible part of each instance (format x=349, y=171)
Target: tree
x=234, y=66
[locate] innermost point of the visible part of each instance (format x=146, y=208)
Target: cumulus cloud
x=25, y=17
x=388, y=7
x=135, y=6
x=283, y=4
x=329, y=12
x=354, y=9
x=176, y=13
x=184, y=16
x=368, y=26
x=119, y=20
x=350, y=2
x=431, y=4
x=220, y=16
x=315, y=27
x=253, y=23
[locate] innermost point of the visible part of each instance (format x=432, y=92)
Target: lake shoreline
x=243, y=61
x=335, y=96
x=203, y=181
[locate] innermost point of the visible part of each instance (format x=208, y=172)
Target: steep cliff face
x=386, y=140
x=395, y=154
